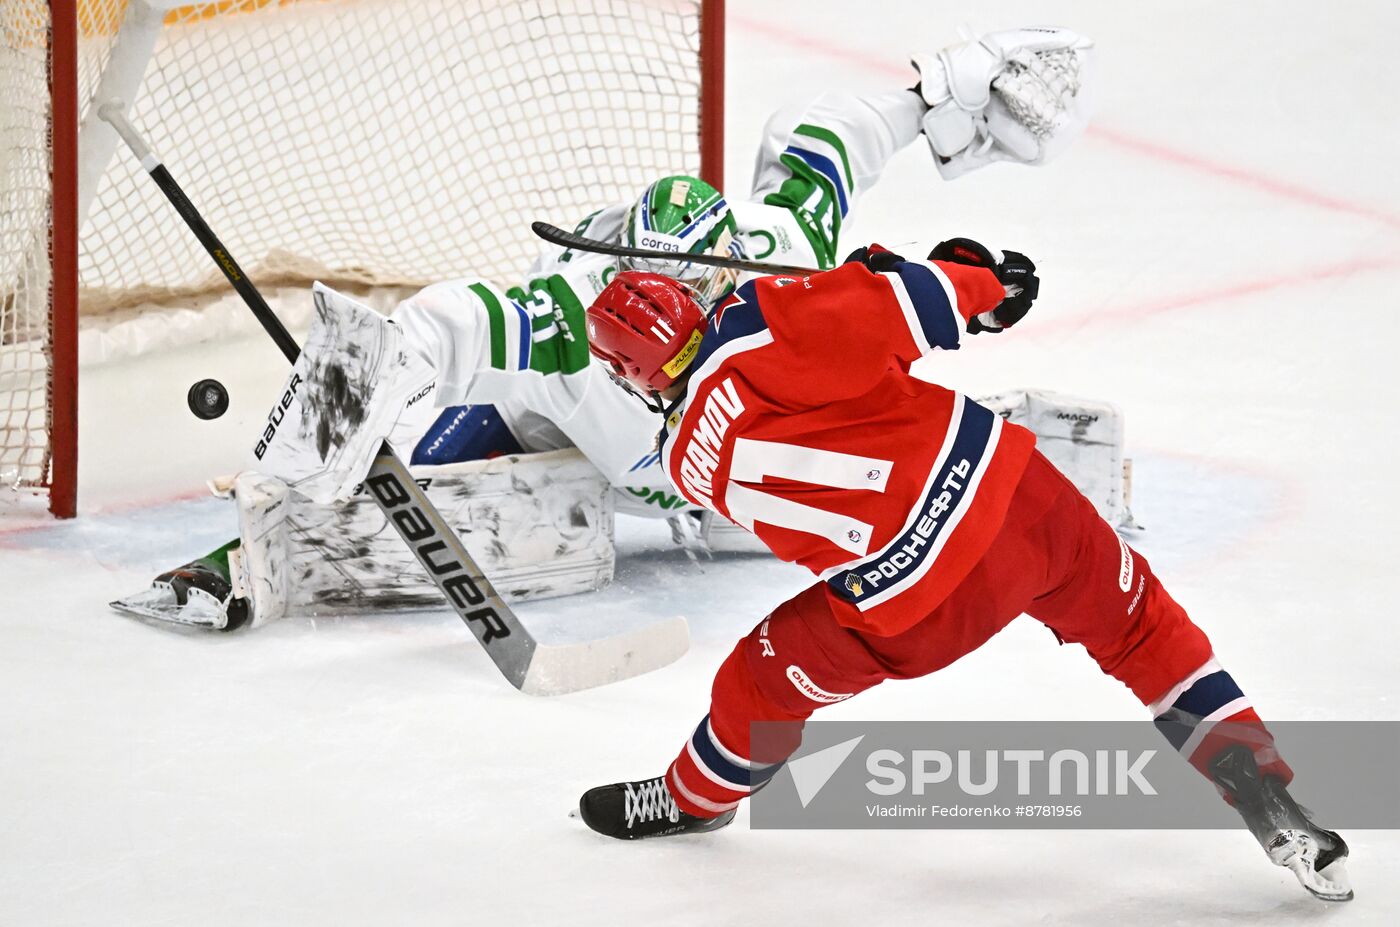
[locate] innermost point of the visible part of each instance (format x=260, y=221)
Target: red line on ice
x=1279, y=188
x=46, y=522
x=1218, y=294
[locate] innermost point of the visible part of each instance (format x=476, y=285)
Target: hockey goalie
x=520, y=438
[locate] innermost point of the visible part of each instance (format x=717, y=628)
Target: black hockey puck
x=208, y=399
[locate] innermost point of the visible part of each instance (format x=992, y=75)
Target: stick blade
x=557, y=669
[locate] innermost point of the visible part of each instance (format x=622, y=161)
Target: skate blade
x=1297, y=851
x=1329, y=884
x=158, y=604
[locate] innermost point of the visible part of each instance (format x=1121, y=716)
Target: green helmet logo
x=684, y=215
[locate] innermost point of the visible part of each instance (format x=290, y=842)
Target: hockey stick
x=557, y=236
x=532, y=667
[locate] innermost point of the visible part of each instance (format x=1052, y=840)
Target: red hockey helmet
x=647, y=328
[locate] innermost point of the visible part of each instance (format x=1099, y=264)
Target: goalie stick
x=531, y=666
x=557, y=236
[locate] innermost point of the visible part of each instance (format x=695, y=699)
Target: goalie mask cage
x=381, y=142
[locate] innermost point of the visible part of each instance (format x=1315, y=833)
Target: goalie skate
x=1317, y=857
x=637, y=810
x=198, y=594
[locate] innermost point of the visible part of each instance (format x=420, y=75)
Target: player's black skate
x=198, y=594
x=634, y=810
x=1284, y=829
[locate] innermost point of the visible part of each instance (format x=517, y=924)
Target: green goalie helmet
x=687, y=216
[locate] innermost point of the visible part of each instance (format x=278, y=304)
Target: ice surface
x=1218, y=258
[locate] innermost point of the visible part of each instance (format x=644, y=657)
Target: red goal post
x=365, y=141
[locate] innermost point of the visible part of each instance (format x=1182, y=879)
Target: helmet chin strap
x=652, y=400
x=649, y=398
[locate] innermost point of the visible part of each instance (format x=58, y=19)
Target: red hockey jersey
x=802, y=423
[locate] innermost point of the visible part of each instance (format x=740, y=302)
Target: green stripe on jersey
x=497, y=323
x=834, y=140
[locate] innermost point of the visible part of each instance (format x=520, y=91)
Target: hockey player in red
x=930, y=522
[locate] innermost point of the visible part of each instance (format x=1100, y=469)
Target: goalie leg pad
x=1083, y=438
x=540, y=525
x=258, y=569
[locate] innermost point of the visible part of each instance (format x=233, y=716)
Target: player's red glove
x=1015, y=271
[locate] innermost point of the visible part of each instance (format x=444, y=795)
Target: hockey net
x=26, y=266
x=380, y=142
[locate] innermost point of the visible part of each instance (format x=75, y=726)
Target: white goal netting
x=378, y=141
x=24, y=256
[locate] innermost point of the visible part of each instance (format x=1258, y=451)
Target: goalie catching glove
x=1013, y=270
x=1020, y=95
